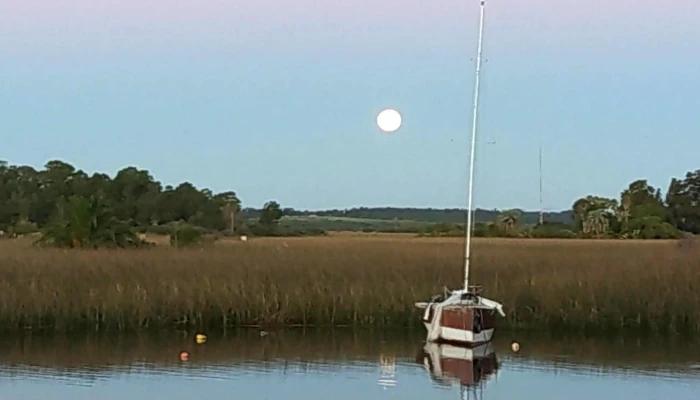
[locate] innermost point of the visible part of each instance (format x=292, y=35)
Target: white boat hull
x=461, y=336
x=462, y=318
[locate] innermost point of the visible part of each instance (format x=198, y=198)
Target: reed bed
x=361, y=281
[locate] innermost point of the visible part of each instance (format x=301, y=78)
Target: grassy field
x=359, y=280
x=329, y=223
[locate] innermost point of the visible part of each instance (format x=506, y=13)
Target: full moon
x=389, y=120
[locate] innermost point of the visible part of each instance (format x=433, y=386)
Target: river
x=342, y=365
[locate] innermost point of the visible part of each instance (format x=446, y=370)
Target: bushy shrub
x=160, y=229
x=652, y=228
x=551, y=231
x=24, y=228
x=185, y=236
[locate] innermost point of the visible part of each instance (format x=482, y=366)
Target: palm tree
x=508, y=220
x=82, y=222
x=580, y=208
x=625, y=206
x=596, y=222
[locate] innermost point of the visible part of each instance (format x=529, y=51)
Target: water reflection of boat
x=467, y=366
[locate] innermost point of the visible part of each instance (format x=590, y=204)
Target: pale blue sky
x=279, y=103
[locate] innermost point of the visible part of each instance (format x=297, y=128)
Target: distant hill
x=429, y=215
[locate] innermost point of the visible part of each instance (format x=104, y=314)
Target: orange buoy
x=184, y=356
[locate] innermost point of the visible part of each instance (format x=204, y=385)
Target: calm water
x=318, y=365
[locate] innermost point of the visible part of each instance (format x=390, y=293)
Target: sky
x=277, y=99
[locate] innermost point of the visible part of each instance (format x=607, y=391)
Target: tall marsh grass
x=577, y=285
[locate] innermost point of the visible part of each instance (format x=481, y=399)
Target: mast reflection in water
x=387, y=365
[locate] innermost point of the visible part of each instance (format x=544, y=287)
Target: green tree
x=644, y=200
x=135, y=194
x=603, y=208
x=508, y=222
x=55, y=182
x=230, y=207
x=652, y=227
x=271, y=214
x=683, y=201
x=597, y=222
x=86, y=222
x=641, y=210
x=6, y=180
x=29, y=197
x=625, y=209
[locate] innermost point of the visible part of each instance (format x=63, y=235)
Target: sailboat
x=463, y=316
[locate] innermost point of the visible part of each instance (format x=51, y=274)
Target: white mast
x=468, y=229
x=541, y=206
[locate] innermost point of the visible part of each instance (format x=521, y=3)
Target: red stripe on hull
x=457, y=317
x=465, y=318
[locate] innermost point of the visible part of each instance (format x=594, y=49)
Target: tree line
x=640, y=212
x=64, y=202
x=432, y=215
x=60, y=200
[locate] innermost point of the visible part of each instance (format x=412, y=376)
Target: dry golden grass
x=360, y=280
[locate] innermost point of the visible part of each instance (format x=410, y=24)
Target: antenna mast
x=468, y=229
x=541, y=207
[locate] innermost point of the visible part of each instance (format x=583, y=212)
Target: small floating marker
x=515, y=346
x=184, y=356
x=200, y=338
